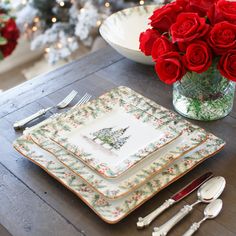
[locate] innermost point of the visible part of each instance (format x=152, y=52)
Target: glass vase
x=206, y=96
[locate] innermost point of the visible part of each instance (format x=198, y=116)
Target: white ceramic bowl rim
x=148, y=8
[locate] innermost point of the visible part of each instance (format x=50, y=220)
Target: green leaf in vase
x=1, y=56
x=4, y=17
x=3, y=41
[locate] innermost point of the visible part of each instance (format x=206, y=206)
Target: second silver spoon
x=211, y=211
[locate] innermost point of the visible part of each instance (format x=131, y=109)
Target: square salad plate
x=111, y=135
x=115, y=210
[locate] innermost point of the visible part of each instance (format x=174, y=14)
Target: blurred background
x=37, y=36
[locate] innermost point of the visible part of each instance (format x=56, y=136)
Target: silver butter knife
x=145, y=221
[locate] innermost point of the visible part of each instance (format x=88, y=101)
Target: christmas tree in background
x=61, y=26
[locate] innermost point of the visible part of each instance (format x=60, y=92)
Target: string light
x=34, y=28
x=107, y=4
x=47, y=50
x=82, y=9
x=99, y=22
x=54, y=19
x=69, y=39
x=62, y=4
x=36, y=19
x=141, y=2
x=23, y=2
x=59, y=45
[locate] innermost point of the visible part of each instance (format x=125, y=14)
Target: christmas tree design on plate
x=110, y=138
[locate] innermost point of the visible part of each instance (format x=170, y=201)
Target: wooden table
x=33, y=203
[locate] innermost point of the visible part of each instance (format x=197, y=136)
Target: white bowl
x=122, y=29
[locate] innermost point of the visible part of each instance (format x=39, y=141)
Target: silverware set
x=61, y=105
x=209, y=189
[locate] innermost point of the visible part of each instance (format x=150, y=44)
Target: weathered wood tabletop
x=33, y=203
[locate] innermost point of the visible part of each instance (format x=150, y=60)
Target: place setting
x=95, y=150
x=118, y=150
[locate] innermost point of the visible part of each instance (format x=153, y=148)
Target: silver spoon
x=207, y=193
x=211, y=211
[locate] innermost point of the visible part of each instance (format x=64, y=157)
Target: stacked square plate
x=117, y=151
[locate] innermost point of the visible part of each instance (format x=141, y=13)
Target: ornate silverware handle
x=194, y=227
x=145, y=221
x=165, y=228
x=20, y=124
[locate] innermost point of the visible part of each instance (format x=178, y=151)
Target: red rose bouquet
x=9, y=34
x=193, y=44
x=192, y=36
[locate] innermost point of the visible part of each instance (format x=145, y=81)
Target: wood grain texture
x=33, y=203
x=24, y=213
x=3, y=231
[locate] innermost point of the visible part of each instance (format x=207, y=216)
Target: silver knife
x=145, y=221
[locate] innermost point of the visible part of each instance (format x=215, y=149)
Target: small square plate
x=111, y=135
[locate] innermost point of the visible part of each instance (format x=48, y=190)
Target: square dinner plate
x=112, y=211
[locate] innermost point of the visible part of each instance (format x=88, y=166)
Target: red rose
x=227, y=65
x=165, y=16
x=200, y=6
x=198, y=57
x=170, y=68
x=147, y=39
x=222, y=37
x=8, y=48
x=11, y=33
x=213, y=15
x=183, y=3
x=187, y=27
x=223, y=11
x=10, y=30
x=162, y=46
x=227, y=9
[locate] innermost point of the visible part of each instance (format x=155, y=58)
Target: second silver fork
x=83, y=100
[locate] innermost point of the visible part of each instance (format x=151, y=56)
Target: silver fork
x=63, y=104
x=84, y=99
x=67, y=100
